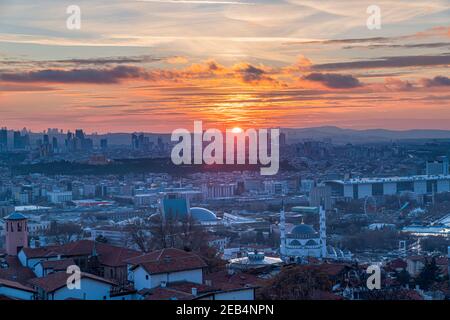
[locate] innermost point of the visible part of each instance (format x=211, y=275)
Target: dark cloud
x=88, y=61
x=404, y=46
x=98, y=76
x=441, y=31
x=251, y=73
x=110, y=60
x=388, y=62
x=437, y=81
x=342, y=41
x=332, y=80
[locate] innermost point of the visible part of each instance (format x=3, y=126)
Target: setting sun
x=236, y=130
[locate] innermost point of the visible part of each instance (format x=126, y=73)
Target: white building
x=303, y=241
x=176, y=274
x=59, y=196
x=368, y=187
x=218, y=190
x=165, y=266
x=54, y=287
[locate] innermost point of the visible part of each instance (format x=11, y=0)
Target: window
x=146, y=277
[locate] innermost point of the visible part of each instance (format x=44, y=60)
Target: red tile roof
x=224, y=281
x=168, y=260
x=108, y=255
x=41, y=252
x=15, y=285
x=58, y=280
x=168, y=294
x=15, y=271
x=178, y=290
x=57, y=265
x=398, y=264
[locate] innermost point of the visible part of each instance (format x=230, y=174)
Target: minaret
x=323, y=231
x=16, y=233
x=282, y=233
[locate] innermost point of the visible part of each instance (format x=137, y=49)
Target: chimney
x=194, y=291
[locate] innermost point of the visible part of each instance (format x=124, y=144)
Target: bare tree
x=64, y=233
x=140, y=235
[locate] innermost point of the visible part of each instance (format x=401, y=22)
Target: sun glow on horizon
x=236, y=130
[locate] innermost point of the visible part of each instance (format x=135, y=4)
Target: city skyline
x=155, y=66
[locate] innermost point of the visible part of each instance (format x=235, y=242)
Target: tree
x=64, y=232
x=403, y=277
x=140, y=235
x=296, y=283
x=429, y=274
x=210, y=256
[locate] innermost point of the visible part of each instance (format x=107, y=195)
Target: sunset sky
x=158, y=65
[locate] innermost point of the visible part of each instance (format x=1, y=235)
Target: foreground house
x=16, y=290
x=165, y=266
x=54, y=287
x=97, y=258
x=173, y=274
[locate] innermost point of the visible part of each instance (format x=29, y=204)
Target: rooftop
x=391, y=179
x=167, y=260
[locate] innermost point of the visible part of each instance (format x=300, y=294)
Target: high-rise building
x=21, y=141
x=46, y=139
x=54, y=143
x=3, y=139
x=17, y=140
x=438, y=167
x=104, y=143
x=79, y=134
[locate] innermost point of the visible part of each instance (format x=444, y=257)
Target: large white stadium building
x=371, y=187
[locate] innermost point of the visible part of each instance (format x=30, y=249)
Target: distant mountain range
x=339, y=135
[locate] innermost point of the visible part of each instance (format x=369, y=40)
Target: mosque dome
x=202, y=214
x=303, y=231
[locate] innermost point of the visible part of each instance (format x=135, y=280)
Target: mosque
x=303, y=242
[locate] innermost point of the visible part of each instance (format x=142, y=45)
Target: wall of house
x=90, y=290
x=195, y=276
x=155, y=280
x=16, y=293
x=116, y=273
x=140, y=281
x=38, y=270
x=247, y=294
